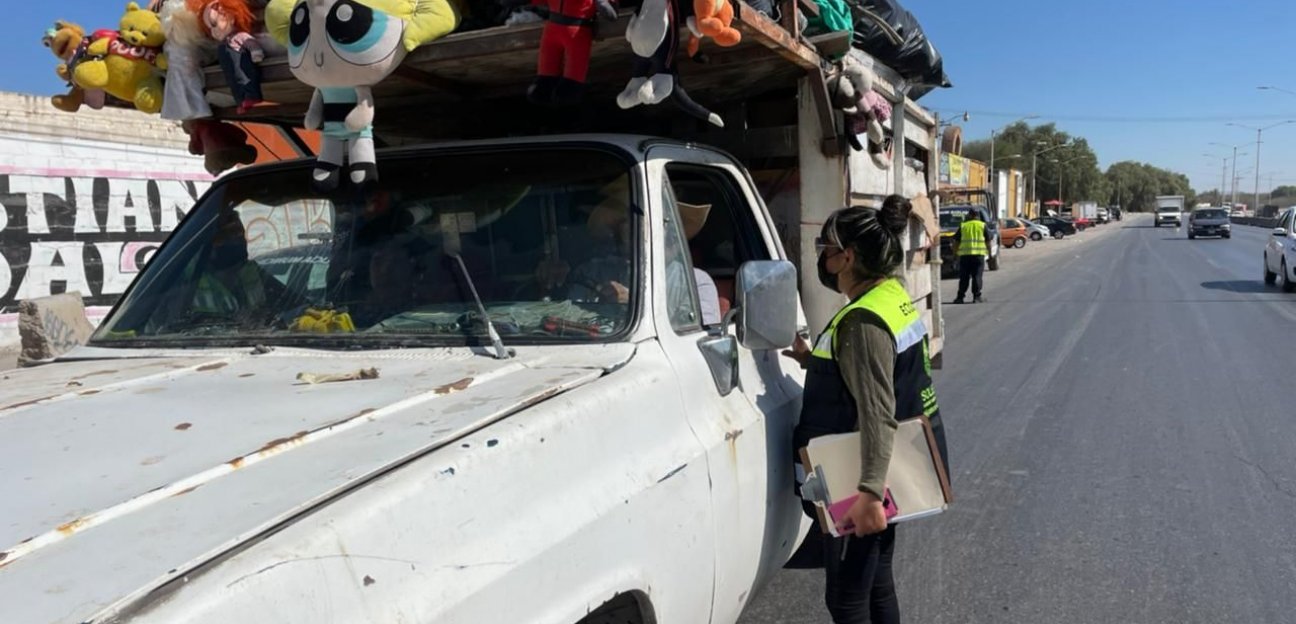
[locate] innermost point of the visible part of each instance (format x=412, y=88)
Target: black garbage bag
x=901, y=45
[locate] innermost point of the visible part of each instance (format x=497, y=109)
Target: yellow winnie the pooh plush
x=126, y=62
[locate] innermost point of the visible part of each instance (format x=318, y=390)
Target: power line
x=1114, y=119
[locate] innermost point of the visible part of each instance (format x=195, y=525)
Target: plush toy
x=187, y=49
x=68, y=42
x=343, y=48
x=851, y=91
x=221, y=145
x=230, y=23
x=653, y=33
x=565, y=45
x=125, y=62
x=714, y=19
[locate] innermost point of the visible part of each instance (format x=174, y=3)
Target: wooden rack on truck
x=771, y=90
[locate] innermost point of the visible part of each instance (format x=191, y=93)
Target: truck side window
x=729, y=236
x=683, y=297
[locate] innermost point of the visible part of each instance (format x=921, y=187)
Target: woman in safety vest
x=867, y=369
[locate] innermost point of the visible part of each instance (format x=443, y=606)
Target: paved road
x=1123, y=439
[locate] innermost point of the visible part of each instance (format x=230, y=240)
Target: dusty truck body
x=501, y=455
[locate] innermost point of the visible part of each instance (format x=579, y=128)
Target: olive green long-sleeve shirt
x=866, y=356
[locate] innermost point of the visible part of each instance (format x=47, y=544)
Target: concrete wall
x=86, y=199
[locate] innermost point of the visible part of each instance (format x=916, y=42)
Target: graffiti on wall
x=86, y=234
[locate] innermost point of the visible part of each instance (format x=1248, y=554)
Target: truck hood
x=121, y=473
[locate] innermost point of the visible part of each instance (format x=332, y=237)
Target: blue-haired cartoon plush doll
x=343, y=48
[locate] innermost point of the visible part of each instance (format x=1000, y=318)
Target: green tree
x=1284, y=191
x=1136, y=185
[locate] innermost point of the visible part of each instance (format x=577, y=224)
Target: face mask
x=829, y=280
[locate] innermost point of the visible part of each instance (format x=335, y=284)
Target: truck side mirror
x=767, y=304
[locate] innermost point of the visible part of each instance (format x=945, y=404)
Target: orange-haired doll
x=230, y=22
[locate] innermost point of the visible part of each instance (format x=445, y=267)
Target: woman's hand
x=800, y=351
x=866, y=516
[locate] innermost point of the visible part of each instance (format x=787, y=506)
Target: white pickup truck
x=487, y=392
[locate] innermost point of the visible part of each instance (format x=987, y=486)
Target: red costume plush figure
x=565, y=47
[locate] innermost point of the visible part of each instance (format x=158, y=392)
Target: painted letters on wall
x=62, y=233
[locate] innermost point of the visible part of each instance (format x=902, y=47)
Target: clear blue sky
x=1089, y=63
x=1117, y=73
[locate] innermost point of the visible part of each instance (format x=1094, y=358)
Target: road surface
x=1123, y=443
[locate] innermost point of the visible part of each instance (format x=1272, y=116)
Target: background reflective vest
x=972, y=238
x=827, y=405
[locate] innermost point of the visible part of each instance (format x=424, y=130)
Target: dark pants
x=860, y=588
x=970, y=268
x=243, y=76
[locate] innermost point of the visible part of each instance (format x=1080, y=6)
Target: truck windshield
x=547, y=237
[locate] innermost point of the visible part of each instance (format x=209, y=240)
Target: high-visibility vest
x=827, y=406
x=972, y=238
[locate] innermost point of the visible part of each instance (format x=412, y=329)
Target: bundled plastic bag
x=901, y=45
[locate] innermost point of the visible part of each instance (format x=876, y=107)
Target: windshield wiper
x=500, y=352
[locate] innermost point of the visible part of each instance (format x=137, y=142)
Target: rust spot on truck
x=89, y=392
x=278, y=442
x=454, y=386
x=368, y=580
x=245, y=375
x=236, y=463
x=68, y=528
x=211, y=367
x=26, y=403
x=183, y=426
x=186, y=490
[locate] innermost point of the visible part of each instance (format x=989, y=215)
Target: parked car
x=1280, y=253
x=1209, y=222
x=1037, y=232
x=1082, y=223
x=951, y=217
x=1058, y=227
x=1104, y=216
x=1013, y=233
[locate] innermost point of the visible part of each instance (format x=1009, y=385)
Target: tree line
x=1067, y=169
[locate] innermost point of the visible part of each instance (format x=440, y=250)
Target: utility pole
x=1234, y=200
x=1259, y=132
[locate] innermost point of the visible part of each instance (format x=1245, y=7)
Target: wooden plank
x=760, y=27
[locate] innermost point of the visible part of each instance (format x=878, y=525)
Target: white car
x=1280, y=253
x=1037, y=232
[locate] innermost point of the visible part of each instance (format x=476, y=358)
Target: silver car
x=1037, y=232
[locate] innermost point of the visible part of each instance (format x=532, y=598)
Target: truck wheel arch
x=632, y=607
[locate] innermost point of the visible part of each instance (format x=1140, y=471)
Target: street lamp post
x=1035, y=167
x=1235, y=155
x=1259, y=132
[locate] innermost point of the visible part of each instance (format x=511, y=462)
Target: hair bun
x=894, y=214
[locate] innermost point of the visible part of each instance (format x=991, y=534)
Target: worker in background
x=971, y=244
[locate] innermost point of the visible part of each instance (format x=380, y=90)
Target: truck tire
x=993, y=263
